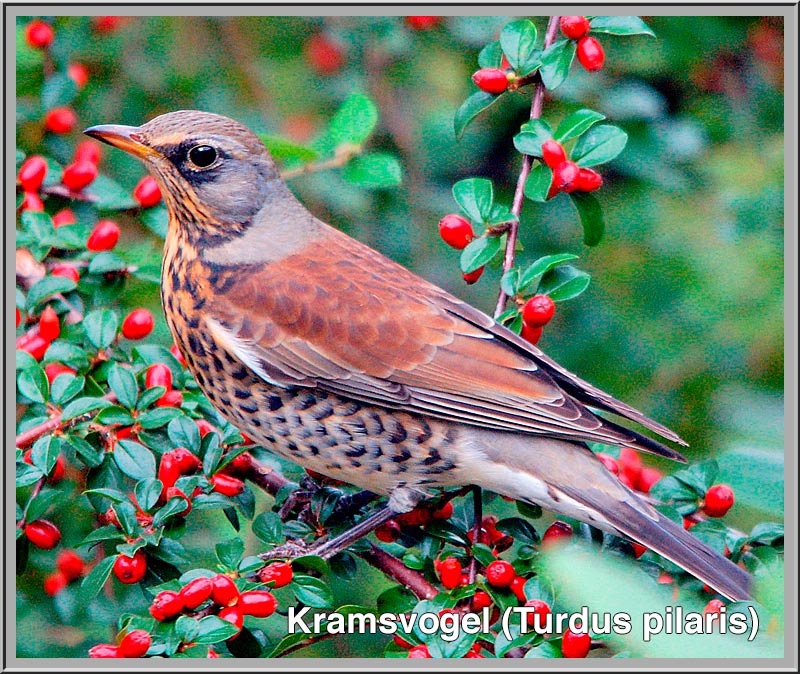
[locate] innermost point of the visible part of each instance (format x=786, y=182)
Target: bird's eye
x=202, y=156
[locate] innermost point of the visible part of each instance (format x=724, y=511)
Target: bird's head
x=215, y=174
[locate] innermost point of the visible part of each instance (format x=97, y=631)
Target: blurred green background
x=684, y=317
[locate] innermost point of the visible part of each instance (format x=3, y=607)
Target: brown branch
x=27, y=438
x=344, y=154
x=396, y=570
x=527, y=161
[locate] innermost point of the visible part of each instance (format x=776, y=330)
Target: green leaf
x=83, y=406
x=556, y=62
x=94, y=581
x=312, y=591
x=183, y=432
x=479, y=252
x=40, y=504
x=286, y=151
x=158, y=417
x=108, y=195
x=620, y=25
x=230, y=552
x=45, y=453
x=564, y=283
x=105, y=262
x=533, y=274
x=187, y=629
x=519, y=529
x=576, y=124
x=115, y=414
x=63, y=351
x=353, y=122
x=537, y=185
x=46, y=288
x=156, y=219
x=91, y=456
x=58, y=90
x=376, y=170
x=591, y=215
x=212, y=629
x=475, y=104
x=27, y=475
x=491, y=56
x=211, y=453
x=134, y=459
x=65, y=387
x=518, y=41
x=32, y=383
x=599, y=145
x=101, y=327
x=268, y=527
x=123, y=384
x=147, y=492
x=546, y=649
x=675, y=493
x=531, y=136
x=475, y=196
x=509, y=284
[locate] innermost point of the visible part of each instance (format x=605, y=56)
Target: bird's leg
x=477, y=512
x=350, y=504
x=329, y=548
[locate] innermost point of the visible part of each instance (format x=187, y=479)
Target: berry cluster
x=422, y=515
x=133, y=644
x=589, y=50
x=567, y=175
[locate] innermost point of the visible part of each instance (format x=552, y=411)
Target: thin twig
x=527, y=161
x=52, y=425
x=343, y=155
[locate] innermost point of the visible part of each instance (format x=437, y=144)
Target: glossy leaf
x=591, y=215
x=564, y=283
x=377, y=170
x=556, y=62
x=599, y=145
x=537, y=186
x=491, y=56
x=479, y=252
x=134, y=459
x=518, y=41
x=620, y=25
x=475, y=196
x=101, y=327
x=530, y=278
x=531, y=136
x=471, y=108
x=576, y=124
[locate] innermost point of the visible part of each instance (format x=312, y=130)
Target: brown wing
x=340, y=316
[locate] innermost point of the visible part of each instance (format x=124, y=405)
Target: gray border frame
x=790, y=14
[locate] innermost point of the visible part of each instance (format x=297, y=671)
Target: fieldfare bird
x=343, y=361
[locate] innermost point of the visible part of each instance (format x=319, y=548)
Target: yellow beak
x=127, y=138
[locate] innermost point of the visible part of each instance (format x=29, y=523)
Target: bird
x=343, y=361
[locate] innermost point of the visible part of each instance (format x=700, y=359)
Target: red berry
x=54, y=583
x=538, y=311
x=481, y=600
x=422, y=22
x=240, y=464
x=224, y=591
x=176, y=352
x=138, y=324
x=420, y=651
x=443, y=513
x=66, y=271
x=474, y=654
x=166, y=604
x=212, y=653
x=233, y=615
x=456, y=231
x=540, y=609
x=78, y=175
x=18, y=316
x=170, y=399
x=630, y=465
x=104, y=236
x=590, y=53
x=647, y=478
x=79, y=74
x=39, y=34
x=491, y=80
x=500, y=573
x=158, y=374
x=196, y=591
x=609, y=462
x=174, y=492
x=49, y=325
x=168, y=470
x=33, y=344
x=714, y=607
x=31, y=173
x=324, y=55
x=553, y=153
x=529, y=334
x=88, y=150
x=107, y=24
x=279, y=573
x=104, y=651
x=473, y=276
x=517, y=586
x=557, y=531
x=417, y=517
x=43, y=534
x=575, y=645
x=638, y=549
x=565, y=176
x=400, y=641
x=204, y=427
x=130, y=569
x=257, y=603
x=450, y=573
x=388, y=532
x=147, y=192
x=574, y=27
x=134, y=644
x=664, y=578
x=227, y=485
x=187, y=462
x=61, y=120
x=64, y=217
x=588, y=180
x=32, y=202
x=70, y=564
x=718, y=500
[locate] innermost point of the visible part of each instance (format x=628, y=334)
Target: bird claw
x=291, y=549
